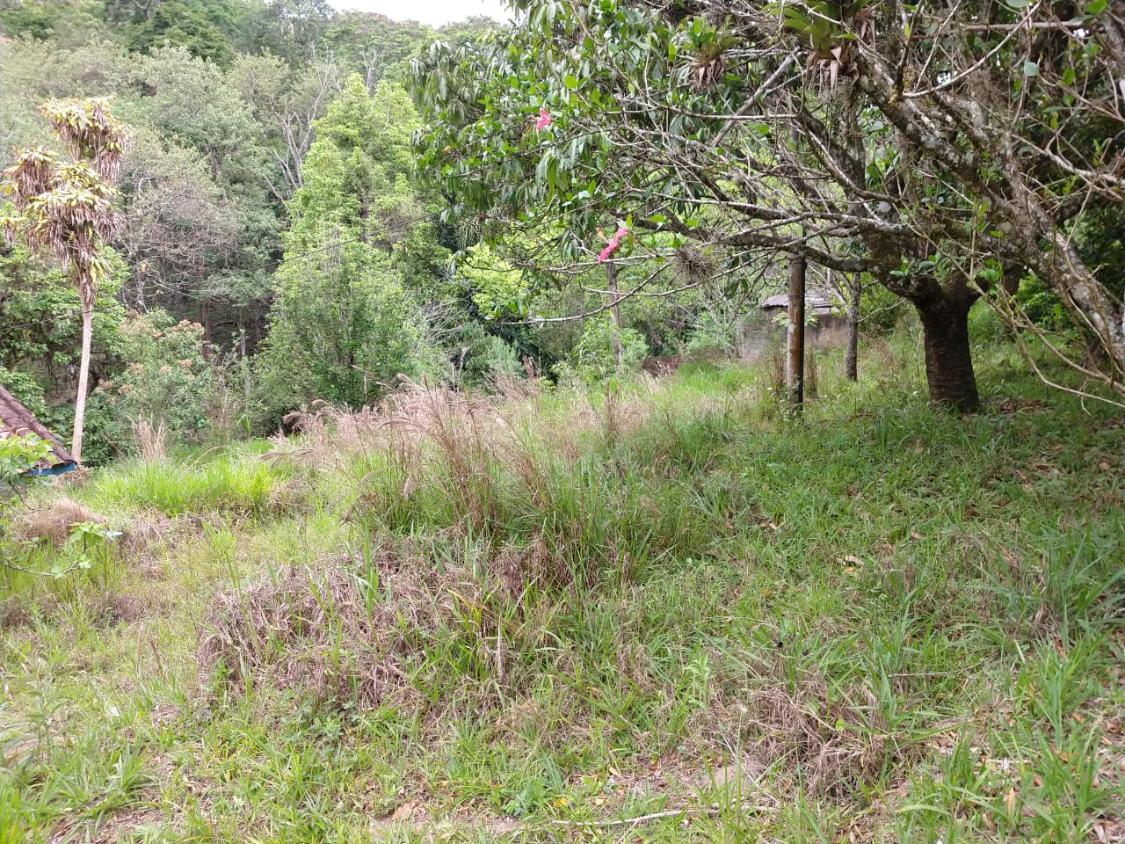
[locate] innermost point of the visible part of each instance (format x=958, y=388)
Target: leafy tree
x=40, y=311
x=66, y=209
x=287, y=103
x=165, y=380
x=36, y=71
x=292, y=30
x=375, y=46
x=343, y=324
x=203, y=27
x=844, y=134
x=178, y=227
x=64, y=21
x=341, y=329
x=191, y=102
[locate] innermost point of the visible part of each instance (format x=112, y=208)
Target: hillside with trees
x=632, y=421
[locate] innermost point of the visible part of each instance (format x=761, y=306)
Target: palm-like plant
x=65, y=208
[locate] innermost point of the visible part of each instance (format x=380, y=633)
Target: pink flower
x=544, y=119
x=612, y=244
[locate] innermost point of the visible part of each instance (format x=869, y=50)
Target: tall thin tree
x=65, y=208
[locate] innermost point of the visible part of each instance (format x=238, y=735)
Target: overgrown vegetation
x=506, y=618
x=455, y=466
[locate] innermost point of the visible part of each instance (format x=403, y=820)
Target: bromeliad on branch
x=612, y=244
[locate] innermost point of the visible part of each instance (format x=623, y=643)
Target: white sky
x=433, y=12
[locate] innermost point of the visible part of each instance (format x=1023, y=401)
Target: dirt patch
x=413, y=818
x=13, y=614
x=112, y=609
x=1013, y=404
x=54, y=522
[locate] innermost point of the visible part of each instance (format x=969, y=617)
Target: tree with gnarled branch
x=946, y=148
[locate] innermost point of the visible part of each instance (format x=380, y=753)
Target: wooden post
x=615, y=314
x=795, y=371
x=851, y=357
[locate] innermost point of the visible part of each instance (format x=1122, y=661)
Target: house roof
x=17, y=421
x=817, y=301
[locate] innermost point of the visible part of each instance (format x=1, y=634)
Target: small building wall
x=758, y=333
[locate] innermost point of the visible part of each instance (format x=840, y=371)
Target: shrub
x=593, y=357
x=1040, y=305
x=166, y=380
x=18, y=455
x=341, y=330
x=879, y=309
x=486, y=357
x=711, y=334
x=26, y=389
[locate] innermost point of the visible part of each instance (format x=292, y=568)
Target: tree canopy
x=938, y=148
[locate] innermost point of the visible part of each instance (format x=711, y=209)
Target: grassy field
x=658, y=612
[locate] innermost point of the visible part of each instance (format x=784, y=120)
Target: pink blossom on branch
x=612, y=244
x=543, y=120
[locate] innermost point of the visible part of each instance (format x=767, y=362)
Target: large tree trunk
x=851, y=356
x=83, y=384
x=949, y=362
x=795, y=369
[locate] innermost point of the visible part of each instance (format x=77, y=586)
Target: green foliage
x=483, y=357
x=35, y=20
x=200, y=26
x=341, y=329
x=88, y=544
x=343, y=325
x=595, y=356
x=711, y=334
x=26, y=389
x=1041, y=305
x=880, y=310
x=376, y=44
x=357, y=173
x=39, y=311
x=291, y=29
x=19, y=455
x=497, y=288
x=65, y=21
x=165, y=380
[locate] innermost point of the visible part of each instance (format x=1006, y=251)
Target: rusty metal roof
x=17, y=420
x=816, y=300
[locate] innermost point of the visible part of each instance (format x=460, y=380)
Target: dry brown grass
x=464, y=427
x=346, y=631
x=54, y=521
x=469, y=442
x=151, y=440
x=308, y=630
x=819, y=743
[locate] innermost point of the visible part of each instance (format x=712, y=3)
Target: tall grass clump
x=223, y=484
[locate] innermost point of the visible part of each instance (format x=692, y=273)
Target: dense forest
x=638, y=420
x=266, y=190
